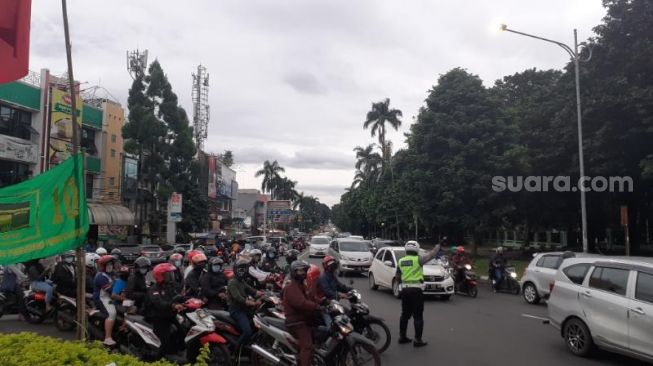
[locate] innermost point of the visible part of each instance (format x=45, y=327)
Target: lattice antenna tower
x=201, y=113
x=136, y=63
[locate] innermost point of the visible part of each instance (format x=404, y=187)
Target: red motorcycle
x=467, y=283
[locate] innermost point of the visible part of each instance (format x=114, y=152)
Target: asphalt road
x=492, y=329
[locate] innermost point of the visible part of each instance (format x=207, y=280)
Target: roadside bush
x=31, y=349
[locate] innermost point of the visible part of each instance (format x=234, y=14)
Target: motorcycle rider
x=291, y=256
x=214, y=285
x=118, y=289
x=240, y=306
x=136, y=289
x=458, y=260
x=36, y=274
x=328, y=286
x=300, y=311
x=91, y=270
x=411, y=276
x=177, y=260
x=497, y=267
x=101, y=251
x=161, y=305
x=64, y=275
x=102, y=296
x=270, y=262
x=192, y=281
x=12, y=281
x=189, y=261
x=254, y=271
x=117, y=254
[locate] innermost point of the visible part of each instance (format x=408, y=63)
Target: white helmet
x=101, y=251
x=499, y=249
x=412, y=246
x=91, y=258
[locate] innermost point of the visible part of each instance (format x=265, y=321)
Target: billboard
x=227, y=183
x=175, y=207
x=279, y=210
x=61, y=125
x=213, y=176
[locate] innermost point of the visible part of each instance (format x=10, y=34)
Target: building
x=36, y=135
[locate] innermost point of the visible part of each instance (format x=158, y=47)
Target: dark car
x=129, y=252
x=154, y=253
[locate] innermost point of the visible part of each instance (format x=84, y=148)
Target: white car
x=437, y=280
x=607, y=302
x=318, y=246
x=352, y=255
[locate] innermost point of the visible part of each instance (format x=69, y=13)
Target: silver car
x=540, y=274
x=607, y=302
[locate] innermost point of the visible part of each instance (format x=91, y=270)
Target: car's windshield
x=354, y=247
x=319, y=241
x=151, y=249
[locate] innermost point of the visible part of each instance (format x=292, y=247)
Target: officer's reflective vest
x=411, y=270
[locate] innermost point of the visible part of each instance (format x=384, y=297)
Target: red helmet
x=198, y=258
x=312, y=275
x=176, y=257
x=191, y=254
x=160, y=270
x=103, y=261
x=460, y=249
x=328, y=261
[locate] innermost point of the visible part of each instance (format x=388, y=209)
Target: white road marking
x=534, y=317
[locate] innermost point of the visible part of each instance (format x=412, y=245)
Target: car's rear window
x=576, y=273
x=644, y=289
x=354, y=247
x=550, y=261
x=319, y=241
x=610, y=279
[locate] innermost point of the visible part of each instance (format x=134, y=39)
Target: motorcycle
x=468, y=285
x=337, y=345
x=509, y=282
x=138, y=339
x=65, y=313
x=370, y=326
x=11, y=304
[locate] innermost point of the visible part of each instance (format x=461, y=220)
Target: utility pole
x=80, y=272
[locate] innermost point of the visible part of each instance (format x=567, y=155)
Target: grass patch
x=482, y=264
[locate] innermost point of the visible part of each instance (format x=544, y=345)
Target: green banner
x=45, y=215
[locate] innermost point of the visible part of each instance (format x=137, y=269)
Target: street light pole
x=575, y=56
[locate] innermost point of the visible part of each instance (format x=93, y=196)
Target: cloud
x=313, y=158
x=304, y=83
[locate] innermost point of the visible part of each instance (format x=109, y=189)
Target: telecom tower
x=136, y=63
x=200, y=97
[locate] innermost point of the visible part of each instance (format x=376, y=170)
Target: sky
x=292, y=80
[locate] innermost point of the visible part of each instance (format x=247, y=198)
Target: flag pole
x=80, y=275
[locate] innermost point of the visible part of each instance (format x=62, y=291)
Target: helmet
x=299, y=265
x=91, y=258
x=175, y=257
x=191, y=254
x=460, y=249
x=116, y=251
x=101, y=251
x=159, y=273
x=179, y=250
x=453, y=249
x=142, y=262
x=216, y=261
x=68, y=253
x=412, y=246
x=292, y=255
x=103, y=261
x=329, y=263
x=312, y=275
x=271, y=253
x=241, y=268
x=499, y=250
x=254, y=252
x=199, y=258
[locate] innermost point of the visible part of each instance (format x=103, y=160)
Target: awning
x=110, y=215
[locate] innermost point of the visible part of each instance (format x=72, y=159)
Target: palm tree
x=298, y=201
x=359, y=178
x=370, y=163
x=381, y=114
x=270, y=173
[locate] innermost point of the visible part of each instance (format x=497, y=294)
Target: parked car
x=154, y=253
x=318, y=246
x=437, y=280
x=129, y=252
x=358, y=237
x=605, y=302
x=352, y=255
x=540, y=274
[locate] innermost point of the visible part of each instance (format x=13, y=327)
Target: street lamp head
x=504, y=27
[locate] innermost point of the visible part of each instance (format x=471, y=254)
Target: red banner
x=14, y=39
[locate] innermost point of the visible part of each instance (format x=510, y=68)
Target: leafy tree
x=227, y=158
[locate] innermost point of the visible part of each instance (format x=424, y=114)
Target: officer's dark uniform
x=410, y=272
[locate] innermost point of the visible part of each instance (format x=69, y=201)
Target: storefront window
x=16, y=123
x=88, y=141
x=13, y=173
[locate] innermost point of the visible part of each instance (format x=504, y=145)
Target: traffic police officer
x=411, y=276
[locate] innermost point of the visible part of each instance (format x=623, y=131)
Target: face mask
x=109, y=268
x=177, y=263
x=143, y=270
x=216, y=268
x=271, y=256
x=69, y=260
x=199, y=267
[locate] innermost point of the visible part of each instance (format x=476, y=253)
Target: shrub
x=31, y=349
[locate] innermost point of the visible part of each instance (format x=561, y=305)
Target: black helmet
x=241, y=268
x=292, y=255
x=179, y=250
x=142, y=262
x=216, y=261
x=296, y=266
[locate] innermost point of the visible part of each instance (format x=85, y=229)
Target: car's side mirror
x=389, y=263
